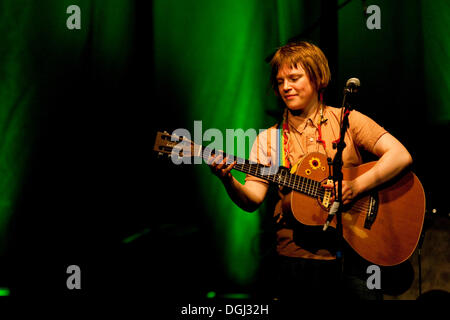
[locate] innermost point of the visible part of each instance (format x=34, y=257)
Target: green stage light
x=4, y=292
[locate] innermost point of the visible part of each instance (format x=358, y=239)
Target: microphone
x=352, y=85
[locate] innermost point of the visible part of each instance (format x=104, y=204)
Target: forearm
x=387, y=167
x=243, y=195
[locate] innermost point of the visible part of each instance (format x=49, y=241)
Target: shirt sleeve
x=365, y=131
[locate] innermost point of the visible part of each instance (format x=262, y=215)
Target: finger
x=344, y=199
x=213, y=165
x=212, y=160
x=228, y=169
x=222, y=164
x=348, y=198
x=219, y=159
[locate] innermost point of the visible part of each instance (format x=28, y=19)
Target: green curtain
x=436, y=43
x=16, y=93
x=48, y=74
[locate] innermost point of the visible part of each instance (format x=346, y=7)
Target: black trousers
x=300, y=280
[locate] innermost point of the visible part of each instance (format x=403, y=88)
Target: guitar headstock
x=171, y=144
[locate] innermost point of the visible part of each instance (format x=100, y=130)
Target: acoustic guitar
x=383, y=226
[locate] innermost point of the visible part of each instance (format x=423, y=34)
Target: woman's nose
x=286, y=85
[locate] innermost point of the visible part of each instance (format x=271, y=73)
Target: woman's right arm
x=248, y=196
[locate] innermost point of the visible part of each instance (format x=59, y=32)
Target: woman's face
x=295, y=89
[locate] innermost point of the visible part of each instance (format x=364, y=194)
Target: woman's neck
x=309, y=111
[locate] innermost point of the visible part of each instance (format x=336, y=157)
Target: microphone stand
x=338, y=177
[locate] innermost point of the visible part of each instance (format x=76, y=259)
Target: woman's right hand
x=221, y=167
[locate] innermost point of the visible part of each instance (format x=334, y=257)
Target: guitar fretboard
x=278, y=175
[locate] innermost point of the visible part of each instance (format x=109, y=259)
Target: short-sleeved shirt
x=294, y=239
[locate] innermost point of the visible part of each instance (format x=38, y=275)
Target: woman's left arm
x=393, y=159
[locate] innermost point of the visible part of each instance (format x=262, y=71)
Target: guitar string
x=309, y=186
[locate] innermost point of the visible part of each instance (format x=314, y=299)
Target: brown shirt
x=293, y=239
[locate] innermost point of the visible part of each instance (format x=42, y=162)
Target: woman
x=308, y=267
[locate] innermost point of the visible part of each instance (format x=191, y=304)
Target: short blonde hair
x=311, y=59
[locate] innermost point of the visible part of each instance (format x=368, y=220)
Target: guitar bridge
x=328, y=191
x=371, y=211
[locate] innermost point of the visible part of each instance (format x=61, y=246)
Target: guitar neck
x=278, y=175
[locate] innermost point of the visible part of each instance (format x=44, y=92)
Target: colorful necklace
x=283, y=137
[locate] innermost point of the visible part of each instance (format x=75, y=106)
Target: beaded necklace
x=283, y=137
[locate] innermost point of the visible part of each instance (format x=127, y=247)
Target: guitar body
x=382, y=226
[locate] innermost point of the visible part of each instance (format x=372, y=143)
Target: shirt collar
x=300, y=123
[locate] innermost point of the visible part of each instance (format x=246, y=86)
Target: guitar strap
x=269, y=142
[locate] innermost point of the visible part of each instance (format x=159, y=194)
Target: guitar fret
x=308, y=190
x=306, y=185
x=284, y=177
x=309, y=186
